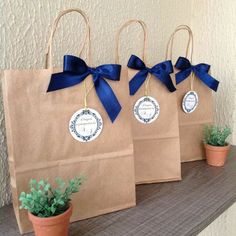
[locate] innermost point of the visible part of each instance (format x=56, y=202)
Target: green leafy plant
x=45, y=201
x=215, y=135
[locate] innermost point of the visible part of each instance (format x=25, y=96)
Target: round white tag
x=190, y=102
x=85, y=125
x=146, y=109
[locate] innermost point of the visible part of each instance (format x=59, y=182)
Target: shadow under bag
x=41, y=146
x=154, y=116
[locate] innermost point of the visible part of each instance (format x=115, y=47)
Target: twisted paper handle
x=86, y=44
x=189, y=48
x=144, y=51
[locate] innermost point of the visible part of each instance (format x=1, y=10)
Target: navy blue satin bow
x=75, y=71
x=200, y=70
x=161, y=71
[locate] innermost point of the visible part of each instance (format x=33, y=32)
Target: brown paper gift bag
x=156, y=145
x=40, y=145
x=191, y=124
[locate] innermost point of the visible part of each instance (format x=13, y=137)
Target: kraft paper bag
x=192, y=121
x=156, y=144
x=40, y=145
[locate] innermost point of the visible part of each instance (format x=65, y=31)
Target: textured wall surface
x=5, y=193
x=25, y=27
x=213, y=23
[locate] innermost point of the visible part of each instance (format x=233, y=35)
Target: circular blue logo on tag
x=190, y=102
x=85, y=125
x=146, y=109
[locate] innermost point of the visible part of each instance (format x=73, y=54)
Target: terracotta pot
x=51, y=226
x=215, y=155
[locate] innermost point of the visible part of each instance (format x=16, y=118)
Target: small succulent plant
x=45, y=201
x=215, y=135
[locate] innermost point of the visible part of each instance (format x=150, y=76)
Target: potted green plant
x=215, y=143
x=50, y=209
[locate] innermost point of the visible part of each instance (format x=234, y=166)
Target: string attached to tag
x=85, y=124
x=86, y=92
x=190, y=99
x=192, y=77
x=146, y=109
x=147, y=86
x=189, y=48
x=187, y=69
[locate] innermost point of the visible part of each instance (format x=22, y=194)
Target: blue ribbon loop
x=161, y=71
x=201, y=71
x=75, y=70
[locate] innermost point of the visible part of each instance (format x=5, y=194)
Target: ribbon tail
x=108, y=99
x=166, y=80
x=208, y=80
x=136, y=82
x=182, y=75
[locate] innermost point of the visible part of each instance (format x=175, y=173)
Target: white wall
x=224, y=225
x=25, y=26
x=214, y=25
